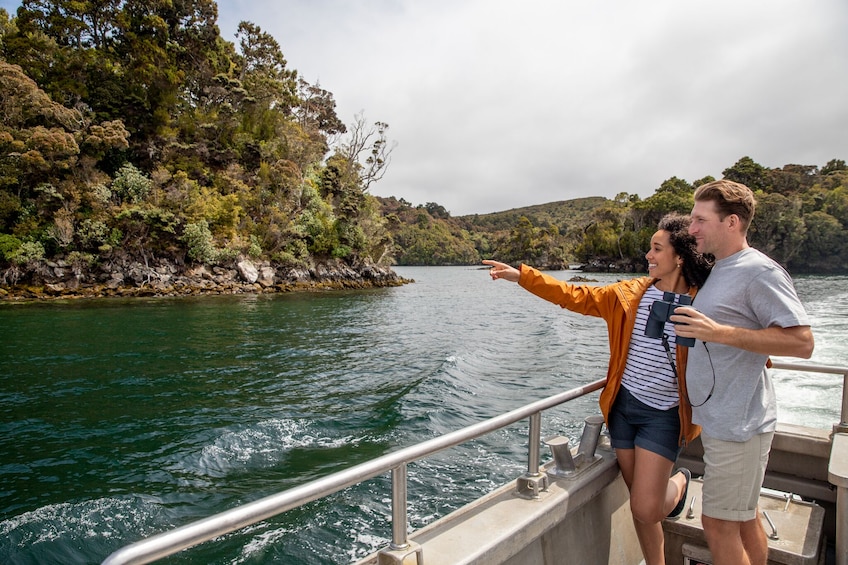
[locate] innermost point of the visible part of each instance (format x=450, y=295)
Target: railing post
x=400, y=548
x=837, y=475
x=535, y=434
x=534, y=481
x=842, y=427
x=399, y=515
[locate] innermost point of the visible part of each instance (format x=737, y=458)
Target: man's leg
x=725, y=541
x=732, y=480
x=755, y=541
x=736, y=542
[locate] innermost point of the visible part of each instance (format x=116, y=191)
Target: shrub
x=28, y=251
x=199, y=243
x=92, y=233
x=9, y=246
x=131, y=185
x=255, y=249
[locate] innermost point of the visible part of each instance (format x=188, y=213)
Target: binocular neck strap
x=668, y=354
x=676, y=376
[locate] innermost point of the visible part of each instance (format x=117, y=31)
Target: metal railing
x=837, y=464
x=195, y=533
x=842, y=426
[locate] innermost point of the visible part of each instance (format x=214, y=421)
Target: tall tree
x=778, y=228
x=367, y=151
x=673, y=195
x=825, y=249
x=316, y=110
x=751, y=174
x=263, y=70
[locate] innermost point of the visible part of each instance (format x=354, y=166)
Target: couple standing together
x=745, y=308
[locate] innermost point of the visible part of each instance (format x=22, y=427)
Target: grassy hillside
x=544, y=234
x=566, y=215
x=801, y=222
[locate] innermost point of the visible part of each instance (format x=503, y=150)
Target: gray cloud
x=499, y=104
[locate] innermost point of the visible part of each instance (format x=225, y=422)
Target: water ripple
x=119, y=419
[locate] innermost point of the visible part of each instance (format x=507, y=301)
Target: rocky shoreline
x=50, y=280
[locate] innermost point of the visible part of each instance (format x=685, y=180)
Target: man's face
x=708, y=228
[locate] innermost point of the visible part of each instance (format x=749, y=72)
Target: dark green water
x=121, y=419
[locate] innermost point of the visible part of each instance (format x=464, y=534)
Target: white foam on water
x=260, y=543
x=75, y=523
x=261, y=445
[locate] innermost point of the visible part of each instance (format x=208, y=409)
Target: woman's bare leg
x=652, y=496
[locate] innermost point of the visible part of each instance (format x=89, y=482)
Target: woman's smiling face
x=663, y=261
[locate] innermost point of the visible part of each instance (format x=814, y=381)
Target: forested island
x=801, y=220
x=139, y=150
x=143, y=154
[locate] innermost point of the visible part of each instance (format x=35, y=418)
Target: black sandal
x=682, y=503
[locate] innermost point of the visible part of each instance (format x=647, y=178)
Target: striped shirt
x=647, y=374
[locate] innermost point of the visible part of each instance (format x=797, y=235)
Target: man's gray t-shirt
x=747, y=290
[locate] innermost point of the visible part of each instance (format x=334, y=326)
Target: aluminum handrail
x=195, y=533
x=842, y=426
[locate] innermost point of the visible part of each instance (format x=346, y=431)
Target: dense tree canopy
x=132, y=127
x=801, y=221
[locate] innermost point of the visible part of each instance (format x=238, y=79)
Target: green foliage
x=527, y=243
x=10, y=208
x=131, y=185
x=778, y=228
x=27, y=252
x=294, y=255
x=800, y=221
x=93, y=233
x=673, y=195
x=751, y=174
x=434, y=244
x=836, y=205
x=826, y=249
x=255, y=249
x=9, y=246
x=201, y=246
x=566, y=215
x=317, y=223
x=263, y=69
x=146, y=229
x=175, y=142
x=134, y=126
x=834, y=165
x=79, y=260
x=414, y=237
x=199, y=242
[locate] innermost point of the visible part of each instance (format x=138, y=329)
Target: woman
x=644, y=401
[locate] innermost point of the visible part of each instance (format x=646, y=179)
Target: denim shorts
x=632, y=423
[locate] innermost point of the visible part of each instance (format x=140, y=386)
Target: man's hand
x=795, y=341
x=688, y=322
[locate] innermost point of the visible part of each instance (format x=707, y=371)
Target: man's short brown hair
x=730, y=198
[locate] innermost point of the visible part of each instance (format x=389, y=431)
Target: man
x=747, y=310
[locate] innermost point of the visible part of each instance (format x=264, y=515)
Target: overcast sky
x=499, y=104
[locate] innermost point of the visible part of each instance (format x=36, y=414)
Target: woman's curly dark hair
x=696, y=266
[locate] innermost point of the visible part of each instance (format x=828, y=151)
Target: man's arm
x=795, y=341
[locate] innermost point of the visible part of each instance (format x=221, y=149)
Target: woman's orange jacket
x=616, y=304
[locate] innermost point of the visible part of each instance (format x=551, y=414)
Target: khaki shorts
x=733, y=476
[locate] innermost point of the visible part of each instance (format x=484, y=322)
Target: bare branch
x=368, y=150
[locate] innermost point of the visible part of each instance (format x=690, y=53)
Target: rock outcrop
x=125, y=277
